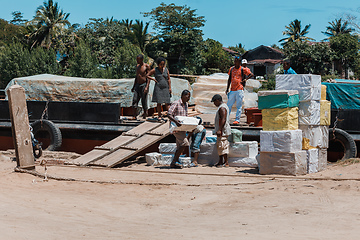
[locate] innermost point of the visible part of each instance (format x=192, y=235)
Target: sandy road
x=141, y=202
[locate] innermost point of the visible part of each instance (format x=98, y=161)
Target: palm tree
x=50, y=22
x=127, y=23
x=338, y=26
x=140, y=34
x=295, y=33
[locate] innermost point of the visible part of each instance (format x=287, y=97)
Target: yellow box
x=276, y=119
x=323, y=92
x=325, y=112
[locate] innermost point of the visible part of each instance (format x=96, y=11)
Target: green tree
x=338, y=26
x=306, y=58
x=216, y=58
x=50, y=22
x=10, y=33
x=17, y=18
x=140, y=33
x=82, y=62
x=238, y=48
x=346, y=48
x=17, y=61
x=295, y=33
x=125, y=60
x=179, y=36
x=104, y=37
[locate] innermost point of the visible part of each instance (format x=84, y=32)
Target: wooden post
x=20, y=127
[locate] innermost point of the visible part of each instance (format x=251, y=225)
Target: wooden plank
x=133, y=146
x=115, y=158
x=161, y=130
x=143, y=141
x=115, y=144
x=118, y=141
x=142, y=128
x=88, y=157
x=20, y=127
x=107, y=148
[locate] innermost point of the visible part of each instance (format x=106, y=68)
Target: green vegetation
x=107, y=48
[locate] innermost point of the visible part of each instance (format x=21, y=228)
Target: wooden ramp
x=126, y=145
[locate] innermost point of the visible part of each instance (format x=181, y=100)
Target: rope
x=45, y=177
x=45, y=111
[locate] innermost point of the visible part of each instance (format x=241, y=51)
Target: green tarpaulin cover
x=344, y=94
x=278, y=101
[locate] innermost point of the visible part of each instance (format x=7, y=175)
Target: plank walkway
x=126, y=145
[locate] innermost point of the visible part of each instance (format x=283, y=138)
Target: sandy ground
x=142, y=202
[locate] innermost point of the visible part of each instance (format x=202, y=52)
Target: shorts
x=196, y=140
x=139, y=94
x=222, y=145
x=181, y=140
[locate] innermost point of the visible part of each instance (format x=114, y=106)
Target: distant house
x=263, y=60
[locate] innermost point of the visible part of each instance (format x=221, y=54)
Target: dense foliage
x=107, y=48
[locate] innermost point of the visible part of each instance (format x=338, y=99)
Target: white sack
x=167, y=148
x=208, y=154
x=153, y=158
x=308, y=85
x=245, y=149
x=166, y=159
x=243, y=162
x=318, y=135
x=185, y=161
x=322, y=159
x=309, y=113
x=313, y=160
x=281, y=141
x=252, y=84
x=250, y=99
x=283, y=163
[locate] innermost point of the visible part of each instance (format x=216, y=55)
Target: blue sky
x=251, y=23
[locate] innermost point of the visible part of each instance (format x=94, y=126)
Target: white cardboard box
x=153, y=158
x=243, y=162
x=208, y=154
x=313, y=160
x=281, y=141
x=283, y=163
x=309, y=113
x=308, y=85
x=245, y=149
x=318, y=135
x=188, y=124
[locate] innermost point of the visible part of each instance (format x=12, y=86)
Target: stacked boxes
x=279, y=109
x=281, y=140
x=314, y=115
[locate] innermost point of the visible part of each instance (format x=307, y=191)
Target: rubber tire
x=346, y=140
x=52, y=129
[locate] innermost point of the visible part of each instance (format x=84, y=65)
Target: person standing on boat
x=162, y=89
x=141, y=86
x=237, y=79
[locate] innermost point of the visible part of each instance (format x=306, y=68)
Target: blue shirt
x=289, y=71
